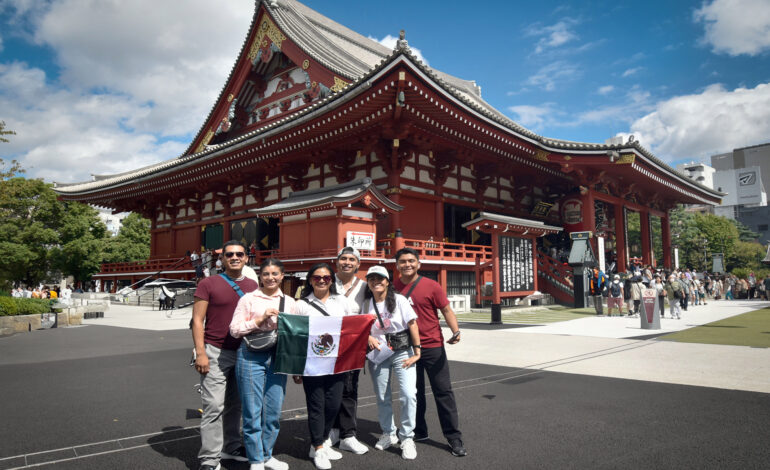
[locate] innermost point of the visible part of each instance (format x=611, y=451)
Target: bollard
x=497, y=315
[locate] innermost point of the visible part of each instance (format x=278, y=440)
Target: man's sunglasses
x=327, y=279
x=239, y=254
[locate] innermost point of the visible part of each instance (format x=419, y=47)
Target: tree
x=747, y=256
x=4, y=132
x=29, y=216
x=81, y=241
x=132, y=242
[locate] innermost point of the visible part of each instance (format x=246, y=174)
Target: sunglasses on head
x=239, y=254
x=325, y=279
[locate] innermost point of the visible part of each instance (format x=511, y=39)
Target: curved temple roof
x=359, y=59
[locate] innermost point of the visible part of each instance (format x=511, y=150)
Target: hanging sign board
x=360, y=240
x=517, y=271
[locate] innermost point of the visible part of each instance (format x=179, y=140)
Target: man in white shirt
x=352, y=287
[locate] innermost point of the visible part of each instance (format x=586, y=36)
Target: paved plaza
x=594, y=392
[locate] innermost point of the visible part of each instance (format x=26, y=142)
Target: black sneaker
x=238, y=454
x=458, y=450
x=210, y=467
x=420, y=437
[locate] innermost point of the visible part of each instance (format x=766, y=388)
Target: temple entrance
x=454, y=218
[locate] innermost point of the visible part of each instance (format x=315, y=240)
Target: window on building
x=461, y=283
x=762, y=227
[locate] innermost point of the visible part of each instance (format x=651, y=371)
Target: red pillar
x=442, y=278
x=620, y=238
x=644, y=217
x=666, y=235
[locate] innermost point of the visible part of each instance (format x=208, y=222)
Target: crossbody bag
x=258, y=341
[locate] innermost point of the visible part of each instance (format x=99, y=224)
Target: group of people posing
x=239, y=384
x=682, y=288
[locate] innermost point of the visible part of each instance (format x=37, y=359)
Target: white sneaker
x=385, y=441
x=351, y=444
x=257, y=466
x=320, y=460
x=275, y=464
x=331, y=454
x=334, y=436
x=408, y=450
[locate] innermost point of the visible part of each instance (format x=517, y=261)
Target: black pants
x=661, y=305
x=683, y=301
x=346, y=418
x=637, y=303
x=435, y=363
x=323, y=396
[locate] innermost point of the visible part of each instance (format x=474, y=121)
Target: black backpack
x=615, y=289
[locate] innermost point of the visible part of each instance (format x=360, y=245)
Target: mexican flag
x=316, y=345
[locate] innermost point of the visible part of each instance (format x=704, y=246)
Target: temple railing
x=153, y=265
x=558, y=273
x=439, y=251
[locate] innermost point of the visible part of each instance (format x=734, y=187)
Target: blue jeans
x=262, y=393
x=407, y=396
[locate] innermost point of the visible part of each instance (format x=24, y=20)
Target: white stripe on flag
x=321, y=354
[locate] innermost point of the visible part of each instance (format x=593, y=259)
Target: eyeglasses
x=326, y=279
x=239, y=254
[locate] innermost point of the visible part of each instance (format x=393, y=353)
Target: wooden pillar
x=665, y=225
x=644, y=217
x=442, y=277
x=620, y=239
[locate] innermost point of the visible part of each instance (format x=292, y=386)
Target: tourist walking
x=615, y=297
x=674, y=291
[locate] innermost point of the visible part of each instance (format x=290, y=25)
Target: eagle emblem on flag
x=323, y=345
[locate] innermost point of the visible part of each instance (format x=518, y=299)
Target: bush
x=15, y=306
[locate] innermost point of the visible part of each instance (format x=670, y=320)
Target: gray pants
x=221, y=420
x=599, y=304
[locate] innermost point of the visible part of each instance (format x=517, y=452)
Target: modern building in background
x=744, y=174
x=112, y=221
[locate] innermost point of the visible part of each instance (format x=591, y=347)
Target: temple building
x=321, y=138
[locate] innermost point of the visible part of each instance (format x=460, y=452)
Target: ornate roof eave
x=402, y=54
x=329, y=197
x=489, y=221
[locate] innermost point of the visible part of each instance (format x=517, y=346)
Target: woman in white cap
x=391, y=353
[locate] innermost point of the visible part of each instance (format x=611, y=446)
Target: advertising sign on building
x=517, y=271
x=749, y=186
x=361, y=240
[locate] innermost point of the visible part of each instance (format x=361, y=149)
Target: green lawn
x=749, y=329
x=538, y=316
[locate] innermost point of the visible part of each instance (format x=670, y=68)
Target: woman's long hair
x=307, y=289
x=390, y=297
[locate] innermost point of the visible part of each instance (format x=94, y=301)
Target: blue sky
x=104, y=87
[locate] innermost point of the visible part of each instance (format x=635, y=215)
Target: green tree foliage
x=40, y=235
x=746, y=255
x=3, y=132
x=81, y=241
x=29, y=218
x=132, y=242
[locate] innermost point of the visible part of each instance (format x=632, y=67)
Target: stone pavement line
x=456, y=385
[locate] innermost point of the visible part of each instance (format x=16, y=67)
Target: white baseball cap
x=351, y=251
x=379, y=271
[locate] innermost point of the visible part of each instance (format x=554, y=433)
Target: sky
x=107, y=86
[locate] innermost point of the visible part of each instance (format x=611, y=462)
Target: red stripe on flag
x=354, y=339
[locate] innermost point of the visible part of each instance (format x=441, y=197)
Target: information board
x=517, y=270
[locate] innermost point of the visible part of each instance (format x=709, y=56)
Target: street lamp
x=705, y=243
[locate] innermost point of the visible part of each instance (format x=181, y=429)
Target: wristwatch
x=417, y=346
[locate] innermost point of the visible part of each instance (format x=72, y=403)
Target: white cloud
x=552, y=36
x=736, y=27
x=548, y=76
x=632, y=71
x=535, y=117
x=132, y=87
x=390, y=42
x=605, y=90
x=713, y=121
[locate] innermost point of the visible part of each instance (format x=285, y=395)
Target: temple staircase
x=555, y=279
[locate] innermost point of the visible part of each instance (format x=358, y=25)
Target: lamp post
x=705, y=243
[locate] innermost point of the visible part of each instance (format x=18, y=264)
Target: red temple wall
x=418, y=220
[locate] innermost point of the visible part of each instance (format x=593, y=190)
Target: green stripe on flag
x=291, y=351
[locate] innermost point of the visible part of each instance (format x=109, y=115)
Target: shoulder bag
x=263, y=341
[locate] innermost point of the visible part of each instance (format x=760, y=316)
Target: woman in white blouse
x=323, y=394
x=394, y=329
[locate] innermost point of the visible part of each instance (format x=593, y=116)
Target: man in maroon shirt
x=426, y=297
x=215, y=350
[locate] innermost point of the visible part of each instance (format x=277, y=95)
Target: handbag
x=263, y=341
x=398, y=341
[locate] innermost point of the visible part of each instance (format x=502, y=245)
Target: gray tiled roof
x=357, y=58
x=504, y=219
x=327, y=196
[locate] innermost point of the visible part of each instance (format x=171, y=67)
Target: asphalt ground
x=101, y=397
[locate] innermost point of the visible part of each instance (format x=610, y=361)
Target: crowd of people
x=680, y=289
x=239, y=384
x=42, y=292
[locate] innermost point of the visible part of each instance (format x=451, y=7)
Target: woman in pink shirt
x=261, y=389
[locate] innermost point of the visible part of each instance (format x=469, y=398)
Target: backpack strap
x=312, y=304
x=411, y=289
x=377, y=311
x=352, y=286
x=235, y=286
